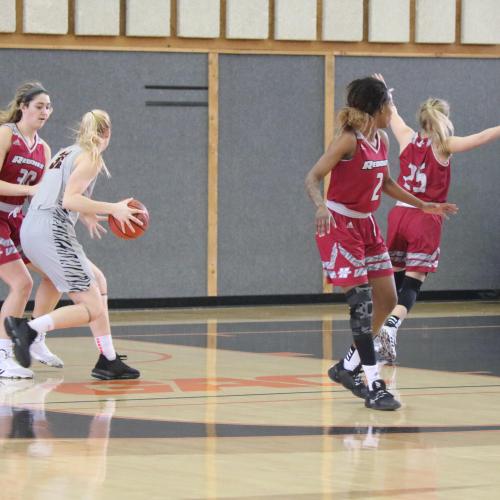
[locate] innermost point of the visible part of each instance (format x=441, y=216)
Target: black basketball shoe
x=116, y=369
x=351, y=380
x=381, y=399
x=22, y=336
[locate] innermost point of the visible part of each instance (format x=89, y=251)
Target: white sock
x=105, y=346
x=42, y=324
x=5, y=344
x=40, y=337
x=372, y=374
x=352, y=359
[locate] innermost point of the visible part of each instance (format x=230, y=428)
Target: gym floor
x=234, y=403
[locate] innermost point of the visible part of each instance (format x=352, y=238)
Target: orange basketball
x=115, y=227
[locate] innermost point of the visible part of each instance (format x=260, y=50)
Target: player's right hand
x=324, y=221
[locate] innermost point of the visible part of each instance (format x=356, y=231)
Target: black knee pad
x=409, y=291
x=361, y=308
x=399, y=277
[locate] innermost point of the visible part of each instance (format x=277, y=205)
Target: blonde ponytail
x=353, y=118
x=24, y=95
x=433, y=118
x=93, y=126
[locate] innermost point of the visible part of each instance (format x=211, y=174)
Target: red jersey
x=357, y=183
x=421, y=173
x=22, y=165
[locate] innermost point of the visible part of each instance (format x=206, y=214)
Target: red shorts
x=10, y=243
x=353, y=252
x=413, y=239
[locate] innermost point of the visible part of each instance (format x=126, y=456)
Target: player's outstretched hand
x=442, y=209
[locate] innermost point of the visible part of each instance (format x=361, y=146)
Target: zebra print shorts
x=49, y=240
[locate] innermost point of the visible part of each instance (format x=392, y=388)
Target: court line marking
x=256, y=332
x=264, y=401
x=217, y=396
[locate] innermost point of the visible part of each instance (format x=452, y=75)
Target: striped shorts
x=49, y=240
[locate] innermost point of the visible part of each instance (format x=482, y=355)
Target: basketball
x=115, y=227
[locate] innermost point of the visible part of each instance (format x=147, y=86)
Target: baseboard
x=268, y=300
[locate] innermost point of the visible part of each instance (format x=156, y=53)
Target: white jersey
x=51, y=190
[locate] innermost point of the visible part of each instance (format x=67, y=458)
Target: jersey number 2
x=376, y=191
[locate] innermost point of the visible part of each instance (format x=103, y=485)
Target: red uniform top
x=357, y=183
x=22, y=165
x=421, y=173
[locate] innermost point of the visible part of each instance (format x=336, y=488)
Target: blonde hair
x=25, y=93
x=433, y=117
x=352, y=118
x=93, y=126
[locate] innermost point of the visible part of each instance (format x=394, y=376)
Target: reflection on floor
x=235, y=403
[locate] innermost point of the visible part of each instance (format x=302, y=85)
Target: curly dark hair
x=367, y=94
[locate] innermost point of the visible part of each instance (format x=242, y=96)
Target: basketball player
x=49, y=240
x=23, y=157
x=352, y=250
x=413, y=237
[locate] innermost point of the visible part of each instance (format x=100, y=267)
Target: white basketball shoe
x=10, y=368
x=40, y=352
x=387, y=351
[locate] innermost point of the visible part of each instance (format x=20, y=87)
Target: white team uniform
x=48, y=232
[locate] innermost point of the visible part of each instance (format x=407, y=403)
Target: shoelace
x=358, y=379
x=380, y=394
x=357, y=376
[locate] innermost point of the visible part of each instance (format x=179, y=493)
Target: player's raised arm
x=399, y=127
x=457, y=144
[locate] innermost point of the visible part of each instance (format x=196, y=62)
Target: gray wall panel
x=470, y=250
x=271, y=133
x=157, y=154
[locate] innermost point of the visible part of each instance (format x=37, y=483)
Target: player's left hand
x=380, y=77
x=442, y=209
x=91, y=221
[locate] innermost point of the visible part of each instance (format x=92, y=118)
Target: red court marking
x=206, y=385
x=274, y=381
x=161, y=357
x=217, y=384
x=114, y=387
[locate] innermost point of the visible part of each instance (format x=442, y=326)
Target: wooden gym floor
x=234, y=403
